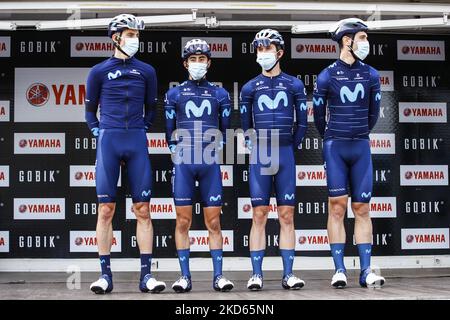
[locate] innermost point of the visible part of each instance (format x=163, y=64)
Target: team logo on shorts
x=215, y=198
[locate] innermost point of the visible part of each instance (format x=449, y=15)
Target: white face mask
x=131, y=46
x=197, y=70
x=362, y=51
x=267, y=60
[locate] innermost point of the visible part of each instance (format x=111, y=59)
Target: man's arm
x=225, y=113
x=300, y=113
x=245, y=110
x=93, y=90
x=320, y=98
x=151, y=99
x=375, y=98
x=171, y=117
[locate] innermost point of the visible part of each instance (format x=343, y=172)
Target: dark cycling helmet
x=267, y=36
x=124, y=21
x=196, y=46
x=347, y=26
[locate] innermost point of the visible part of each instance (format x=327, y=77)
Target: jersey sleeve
x=320, y=97
x=225, y=112
x=151, y=97
x=245, y=106
x=170, y=103
x=300, y=112
x=375, y=98
x=92, y=99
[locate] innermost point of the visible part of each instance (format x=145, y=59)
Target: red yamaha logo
x=37, y=94
x=79, y=46
x=23, y=143
x=300, y=48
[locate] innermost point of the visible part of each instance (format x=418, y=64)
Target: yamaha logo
x=409, y=238
x=302, y=240
x=247, y=208
x=78, y=241
x=37, y=94
x=23, y=143
x=79, y=175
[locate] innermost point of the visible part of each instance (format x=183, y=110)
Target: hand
x=95, y=131
x=248, y=144
x=172, y=148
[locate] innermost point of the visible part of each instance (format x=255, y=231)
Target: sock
x=337, y=252
x=105, y=264
x=365, y=251
x=146, y=264
x=183, y=258
x=257, y=260
x=288, y=260
x=216, y=255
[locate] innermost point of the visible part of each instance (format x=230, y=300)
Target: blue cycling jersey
x=269, y=103
x=197, y=106
x=122, y=88
x=351, y=93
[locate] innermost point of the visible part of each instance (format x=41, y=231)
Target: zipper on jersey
x=126, y=100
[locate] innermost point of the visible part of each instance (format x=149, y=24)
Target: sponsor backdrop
x=47, y=177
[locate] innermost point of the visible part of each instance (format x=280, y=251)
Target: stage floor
x=400, y=284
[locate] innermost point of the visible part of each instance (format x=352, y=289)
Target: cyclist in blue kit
x=126, y=91
x=267, y=105
x=197, y=109
x=346, y=107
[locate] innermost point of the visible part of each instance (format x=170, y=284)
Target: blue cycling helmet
x=347, y=26
x=267, y=36
x=196, y=46
x=124, y=21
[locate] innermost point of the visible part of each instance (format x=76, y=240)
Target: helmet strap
x=351, y=47
x=116, y=44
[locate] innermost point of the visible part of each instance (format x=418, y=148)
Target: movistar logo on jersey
x=243, y=109
x=170, y=114
x=226, y=113
x=303, y=107
x=289, y=196
x=347, y=94
x=272, y=104
x=215, y=198
x=191, y=107
x=378, y=96
x=114, y=75
x=317, y=102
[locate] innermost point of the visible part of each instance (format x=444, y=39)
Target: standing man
x=125, y=89
x=267, y=104
x=350, y=91
x=198, y=108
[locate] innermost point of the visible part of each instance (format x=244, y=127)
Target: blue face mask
x=197, y=70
